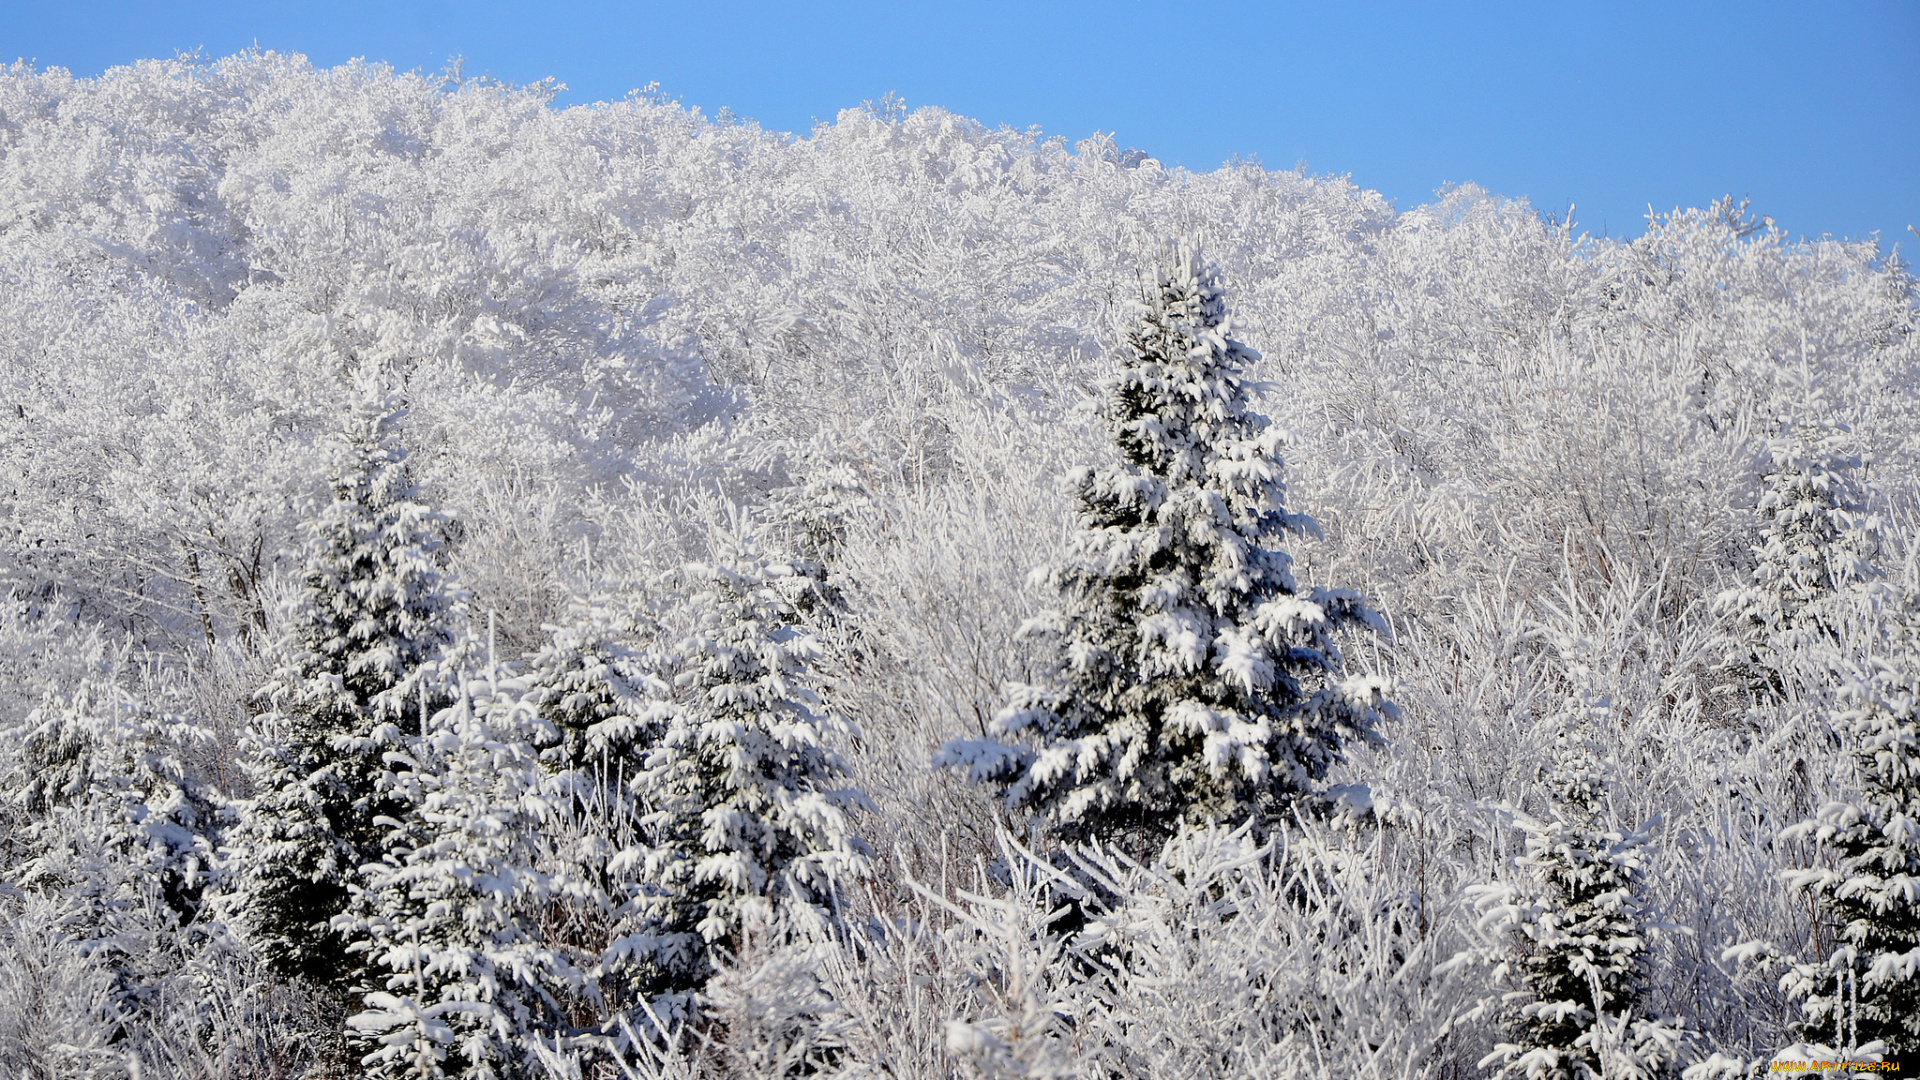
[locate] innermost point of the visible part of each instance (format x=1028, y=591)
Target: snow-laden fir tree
x=595, y=688
x=1813, y=555
x=463, y=978
x=750, y=805
x=1868, y=989
x=114, y=826
x=372, y=615
x=1573, y=935
x=813, y=513
x=602, y=708
x=1199, y=680
x=104, y=749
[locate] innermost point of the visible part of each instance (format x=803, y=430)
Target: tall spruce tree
x=603, y=710
x=373, y=613
x=1199, y=681
x=749, y=803
x=1868, y=988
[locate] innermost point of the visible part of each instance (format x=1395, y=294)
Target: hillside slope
x=624, y=333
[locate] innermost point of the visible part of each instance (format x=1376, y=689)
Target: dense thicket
x=629, y=340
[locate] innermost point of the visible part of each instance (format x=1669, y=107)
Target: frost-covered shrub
x=1220, y=957
x=58, y=1011
x=115, y=828
x=1290, y=960
x=1199, y=682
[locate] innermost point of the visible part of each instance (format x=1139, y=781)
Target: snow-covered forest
x=506, y=591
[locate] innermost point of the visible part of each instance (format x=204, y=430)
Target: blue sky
x=1810, y=109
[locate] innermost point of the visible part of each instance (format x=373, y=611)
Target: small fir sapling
x=810, y=518
x=102, y=751
x=1198, y=680
x=603, y=709
x=116, y=831
x=814, y=511
x=596, y=689
x=1573, y=936
x=749, y=804
x=372, y=616
x=808, y=522
x=1868, y=989
x=462, y=981
x=1814, y=553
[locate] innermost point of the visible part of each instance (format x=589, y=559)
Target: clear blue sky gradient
x=1810, y=109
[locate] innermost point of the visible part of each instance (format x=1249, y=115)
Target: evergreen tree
x=1199, y=680
x=811, y=518
x=464, y=981
x=814, y=511
x=115, y=826
x=603, y=710
x=1868, y=989
x=1575, y=936
x=1814, y=551
x=1578, y=940
x=596, y=691
x=747, y=804
x=102, y=749
x=371, y=617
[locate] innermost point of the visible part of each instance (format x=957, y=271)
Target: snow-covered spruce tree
x=1199, y=681
x=1574, y=937
x=116, y=829
x=749, y=807
x=1815, y=548
x=603, y=710
x=1868, y=989
x=596, y=691
x=102, y=749
x=372, y=615
x=462, y=981
x=814, y=512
